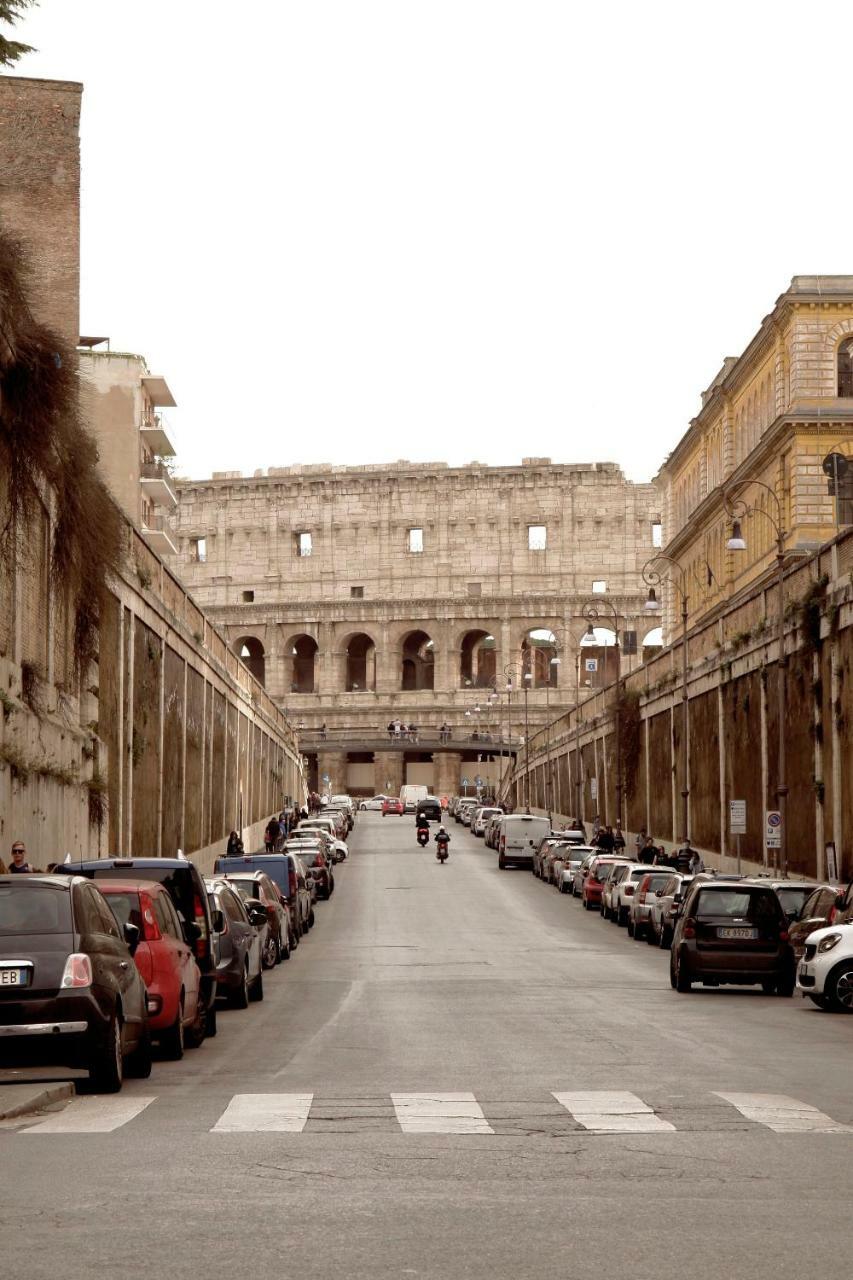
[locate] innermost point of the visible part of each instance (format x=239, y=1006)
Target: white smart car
x=825, y=973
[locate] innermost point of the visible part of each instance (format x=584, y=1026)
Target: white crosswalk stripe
x=440, y=1113
x=783, y=1114
x=92, y=1115
x=612, y=1112
x=265, y=1113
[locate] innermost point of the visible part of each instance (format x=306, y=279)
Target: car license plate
x=735, y=932
x=14, y=977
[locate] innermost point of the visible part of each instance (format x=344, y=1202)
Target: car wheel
x=665, y=939
x=838, y=991
x=562, y=888
x=820, y=1001
x=239, y=997
x=311, y=918
x=256, y=991
x=194, y=1036
x=640, y=931
x=140, y=1061
x=651, y=937
x=106, y=1066
x=210, y=1020
x=786, y=985
x=632, y=933
x=501, y=862
x=683, y=982
x=284, y=949
x=172, y=1039
x=269, y=956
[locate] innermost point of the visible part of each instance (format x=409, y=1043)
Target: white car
x=623, y=888
x=481, y=819
x=568, y=864
x=376, y=802
x=825, y=973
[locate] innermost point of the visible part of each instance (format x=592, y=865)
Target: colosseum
x=448, y=601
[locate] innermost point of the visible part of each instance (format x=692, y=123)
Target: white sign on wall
x=773, y=829
x=593, y=788
x=590, y=664
x=737, y=817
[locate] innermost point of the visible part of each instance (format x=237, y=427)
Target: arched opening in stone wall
x=477, y=659
x=418, y=661
x=652, y=643
x=537, y=649
x=251, y=652
x=599, y=657
x=360, y=664
x=303, y=652
x=845, y=368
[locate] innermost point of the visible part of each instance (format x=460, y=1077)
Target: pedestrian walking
x=391, y=729
x=605, y=840
x=648, y=851
x=413, y=733
x=19, y=858
x=272, y=835
x=640, y=842
x=696, y=863
x=618, y=839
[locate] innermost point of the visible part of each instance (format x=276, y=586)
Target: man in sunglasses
x=19, y=858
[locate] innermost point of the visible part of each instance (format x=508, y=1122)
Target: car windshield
x=741, y=904
x=125, y=907
x=310, y=857
x=658, y=882
x=34, y=908
x=247, y=889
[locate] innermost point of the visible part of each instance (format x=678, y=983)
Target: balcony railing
x=155, y=471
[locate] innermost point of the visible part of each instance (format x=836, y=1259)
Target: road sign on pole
x=593, y=788
x=325, y=777
x=773, y=829
x=737, y=817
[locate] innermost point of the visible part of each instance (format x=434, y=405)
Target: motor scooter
x=423, y=836
x=441, y=851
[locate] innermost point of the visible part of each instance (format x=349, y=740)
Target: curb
x=44, y=1097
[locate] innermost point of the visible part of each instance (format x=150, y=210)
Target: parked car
x=664, y=910
x=583, y=871
x=464, y=808
x=791, y=893
x=70, y=993
x=393, y=806
x=319, y=870
x=347, y=804
x=733, y=932
x=543, y=847
x=593, y=882
x=818, y=911
x=183, y=880
x=257, y=887
x=520, y=835
x=825, y=973
x=624, y=891
x=553, y=855
x=430, y=806
x=490, y=836
x=567, y=865
x=239, y=970
x=288, y=874
x=641, y=903
x=481, y=818
x=165, y=962
x=611, y=877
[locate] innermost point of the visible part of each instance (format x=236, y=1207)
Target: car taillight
x=271, y=911
x=689, y=928
x=503, y=844
x=783, y=935
x=201, y=923
x=150, y=927
x=291, y=882
x=641, y=896
x=628, y=890
x=77, y=971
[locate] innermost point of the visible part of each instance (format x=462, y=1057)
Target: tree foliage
x=12, y=11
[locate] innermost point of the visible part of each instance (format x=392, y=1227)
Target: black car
x=732, y=931
x=430, y=807
x=70, y=993
x=287, y=873
x=819, y=910
x=319, y=869
x=184, y=882
x=239, y=961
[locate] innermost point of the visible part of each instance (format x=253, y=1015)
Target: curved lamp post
x=516, y=670
x=677, y=578
x=578, y=642
x=737, y=509
x=594, y=611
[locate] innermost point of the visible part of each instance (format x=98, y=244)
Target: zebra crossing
x=597, y=1112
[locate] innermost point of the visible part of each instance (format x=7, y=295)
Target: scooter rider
x=442, y=839
x=422, y=830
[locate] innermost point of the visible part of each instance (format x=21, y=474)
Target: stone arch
x=417, y=661
x=301, y=653
x=477, y=658
x=538, y=648
x=359, y=650
x=250, y=651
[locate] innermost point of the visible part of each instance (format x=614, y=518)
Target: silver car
x=568, y=865
x=664, y=908
x=644, y=896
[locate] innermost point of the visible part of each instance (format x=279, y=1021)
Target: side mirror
x=192, y=933
x=258, y=916
x=217, y=920
x=131, y=937
x=658, y=893
x=839, y=902
x=677, y=899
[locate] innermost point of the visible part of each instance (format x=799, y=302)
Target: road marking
x=783, y=1114
x=265, y=1113
x=92, y=1115
x=440, y=1113
x=603, y=1112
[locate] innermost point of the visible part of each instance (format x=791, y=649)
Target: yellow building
x=771, y=417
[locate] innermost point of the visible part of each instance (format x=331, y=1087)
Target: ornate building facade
x=418, y=593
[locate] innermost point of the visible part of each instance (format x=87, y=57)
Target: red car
x=592, y=885
x=393, y=806
x=164, y=959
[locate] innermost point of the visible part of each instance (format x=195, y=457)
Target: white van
x=410, y=794
x=519, y=835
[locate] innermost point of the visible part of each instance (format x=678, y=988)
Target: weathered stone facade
x=366, y=594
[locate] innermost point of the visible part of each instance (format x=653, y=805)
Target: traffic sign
x=465, y=782
x=593, y=788
x=478, y=781
x=773, y=829
x=325, y=777
x=590, y=664
x=737, y=817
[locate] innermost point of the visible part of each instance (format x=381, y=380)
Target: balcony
x=154, y=433
x=157, y=484
x=158, y=535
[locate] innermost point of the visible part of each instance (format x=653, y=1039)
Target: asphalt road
x=423, y=981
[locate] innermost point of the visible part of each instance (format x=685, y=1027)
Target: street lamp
x=556, y=661
x=593, y=610
x=676, y=577
x=737, y=509
x=517, y=669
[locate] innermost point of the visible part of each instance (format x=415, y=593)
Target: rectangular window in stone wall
x=304, y=544
x=357, y=593
x=475, y=588
x=599, y=587
x=416, y=541
x=537, y=537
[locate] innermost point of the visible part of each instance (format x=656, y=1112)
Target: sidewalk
x=24, y=1099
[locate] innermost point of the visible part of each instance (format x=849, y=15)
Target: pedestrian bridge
x=311, y=740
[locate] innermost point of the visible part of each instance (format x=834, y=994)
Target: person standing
x=20, y=864
x=648, y=851
x=696, y=863
x=618, y=840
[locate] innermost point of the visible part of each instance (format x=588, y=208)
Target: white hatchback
x=825, y=973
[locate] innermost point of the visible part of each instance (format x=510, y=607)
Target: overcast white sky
x=361, y=230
